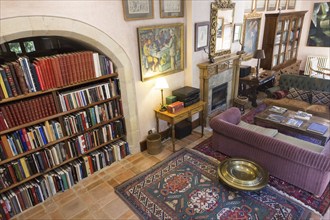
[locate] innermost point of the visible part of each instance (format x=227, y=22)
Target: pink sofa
x=305, y=168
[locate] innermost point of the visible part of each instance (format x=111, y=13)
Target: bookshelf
x=58, y=131
x=281, y=39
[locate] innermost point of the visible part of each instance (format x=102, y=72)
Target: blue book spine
x=21, y=135
x=5, y=80
x=43, y=136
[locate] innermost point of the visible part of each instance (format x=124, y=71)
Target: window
x=15, y=47
x=29, y=46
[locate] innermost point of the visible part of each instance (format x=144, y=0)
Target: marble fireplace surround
x=225, y=69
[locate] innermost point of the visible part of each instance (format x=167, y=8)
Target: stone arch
x=31, y=26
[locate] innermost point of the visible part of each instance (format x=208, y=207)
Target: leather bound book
x=20, y=77
x=56, y=71
x=2, y=95
x=82, y=68
x=73, y=68
x=39, y=75
x=12, y=70
x=38, y=109
x=51, y=72
x=175, y=107
x=63, y=69
x=11, y=112
x=6, y=146
x=7, y=117
x=18, y=109
x=11, y=172
x=2, y=84
x=90, y=64
x=35, y=77
x=6, y=82
x=10, y=80
x=68, y=68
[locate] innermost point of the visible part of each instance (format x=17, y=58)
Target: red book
x=20, y=77
x=63, y=69
x=55, y=71
x=58, y=71
x=20, y=114
x=68, y=68
x=39, y=75
x=51, y=74
x=12, y=70
x=34, y=195
x=3, y=122
x=81, y=69
x=7, y=114
x=90, y=64
x=12, y=172
x=27, y=140
x=73, y=67
x=90, y=164
x=16, y=115
x=5, y=210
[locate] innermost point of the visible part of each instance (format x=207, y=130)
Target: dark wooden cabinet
x=281, y=39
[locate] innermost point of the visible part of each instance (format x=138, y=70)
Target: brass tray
x=242, y=174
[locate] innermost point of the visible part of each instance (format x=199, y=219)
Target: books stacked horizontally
x=277, y=109
x=317, y=128
x=43, y=73
x=16, y=200
x=303, y=115
x=276, y=118
x=294, y=122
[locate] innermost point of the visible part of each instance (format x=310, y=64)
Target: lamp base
x=163, y=108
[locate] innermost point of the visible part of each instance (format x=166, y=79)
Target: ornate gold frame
x=215, y=7
x=252, y=16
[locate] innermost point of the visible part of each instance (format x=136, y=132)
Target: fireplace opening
x=219, y=96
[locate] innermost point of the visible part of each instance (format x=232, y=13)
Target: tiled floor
x=94, y=197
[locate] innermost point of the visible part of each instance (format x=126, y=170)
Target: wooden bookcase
x=112, y=126
x=281, y=39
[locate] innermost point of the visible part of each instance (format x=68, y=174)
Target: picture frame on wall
x=272, y=5
x=260, y=5
x=138, y=9
x=237, y=33
x=161, y=50
x=282, y=4
x=291, y=4
x=171, y=8
x=251, y=31
x=202, y=33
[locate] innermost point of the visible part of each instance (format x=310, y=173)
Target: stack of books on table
x=277, y=109
x=294, y=122
x=276, y=118
x=317, y=128
x=303, y=115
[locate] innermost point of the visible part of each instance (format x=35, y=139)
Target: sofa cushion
x=299, y=143
x=258, y=129
x=298, y=94
x=319, y=110
x=322, y=98
x=292, y=104
x=280, y=94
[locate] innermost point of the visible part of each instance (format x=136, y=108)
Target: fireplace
x=219, y=96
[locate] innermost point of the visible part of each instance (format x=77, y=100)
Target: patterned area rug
x=186, y=186
x=320, y=204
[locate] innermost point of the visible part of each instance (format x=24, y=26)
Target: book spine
x=6, y=83
x=20, y=77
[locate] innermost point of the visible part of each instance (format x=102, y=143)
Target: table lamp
x=161, y=84
x=259, y=54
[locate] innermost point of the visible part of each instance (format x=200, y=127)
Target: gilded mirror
x=222, y=17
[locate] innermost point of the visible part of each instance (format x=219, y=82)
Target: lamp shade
x=259, y=54
x=161, y=83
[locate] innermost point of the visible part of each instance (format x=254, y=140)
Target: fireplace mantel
x=209, y=70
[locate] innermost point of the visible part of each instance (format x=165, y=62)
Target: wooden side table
x=180, y=116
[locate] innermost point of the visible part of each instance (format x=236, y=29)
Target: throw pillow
x=298, y=94
x=280, y=94
x=319, y=97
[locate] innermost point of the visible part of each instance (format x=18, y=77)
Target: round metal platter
x=242, y=174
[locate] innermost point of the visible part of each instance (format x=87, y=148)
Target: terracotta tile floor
x=94, y=197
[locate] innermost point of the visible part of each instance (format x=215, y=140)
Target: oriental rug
x=319, y=204
x=186, y=186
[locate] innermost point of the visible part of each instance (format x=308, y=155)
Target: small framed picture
x=260, y=5
x=202, y=32
x=291, y=4
x=138, y=9
x=272, y=5
x=171, y=8
x=237, y=32
x=282, y=4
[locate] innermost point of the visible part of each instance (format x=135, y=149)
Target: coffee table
x=261, y=119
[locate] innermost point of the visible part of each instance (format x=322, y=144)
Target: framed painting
x=171, y=8
x=291, y=4
x=138, y=9
x=272, y=5
x=319, y=28
x=251, y=31
x=282, y=4
x=260, y=5
x=237, y=32
x=161, y=50
x=202, y=33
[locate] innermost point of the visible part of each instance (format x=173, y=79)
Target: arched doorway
x=32, y=26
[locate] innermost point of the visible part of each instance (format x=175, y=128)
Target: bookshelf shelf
x=72, y=128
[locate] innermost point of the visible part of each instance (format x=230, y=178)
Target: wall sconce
x=161, y=84
x=259, y=54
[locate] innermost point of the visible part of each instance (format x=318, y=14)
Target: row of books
x=26, y=139
x=92, y=139
x=85, y=96
x=25, y=111
x=83, y=120
x=43, y=73
x=31, y=164
x=40, y=189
